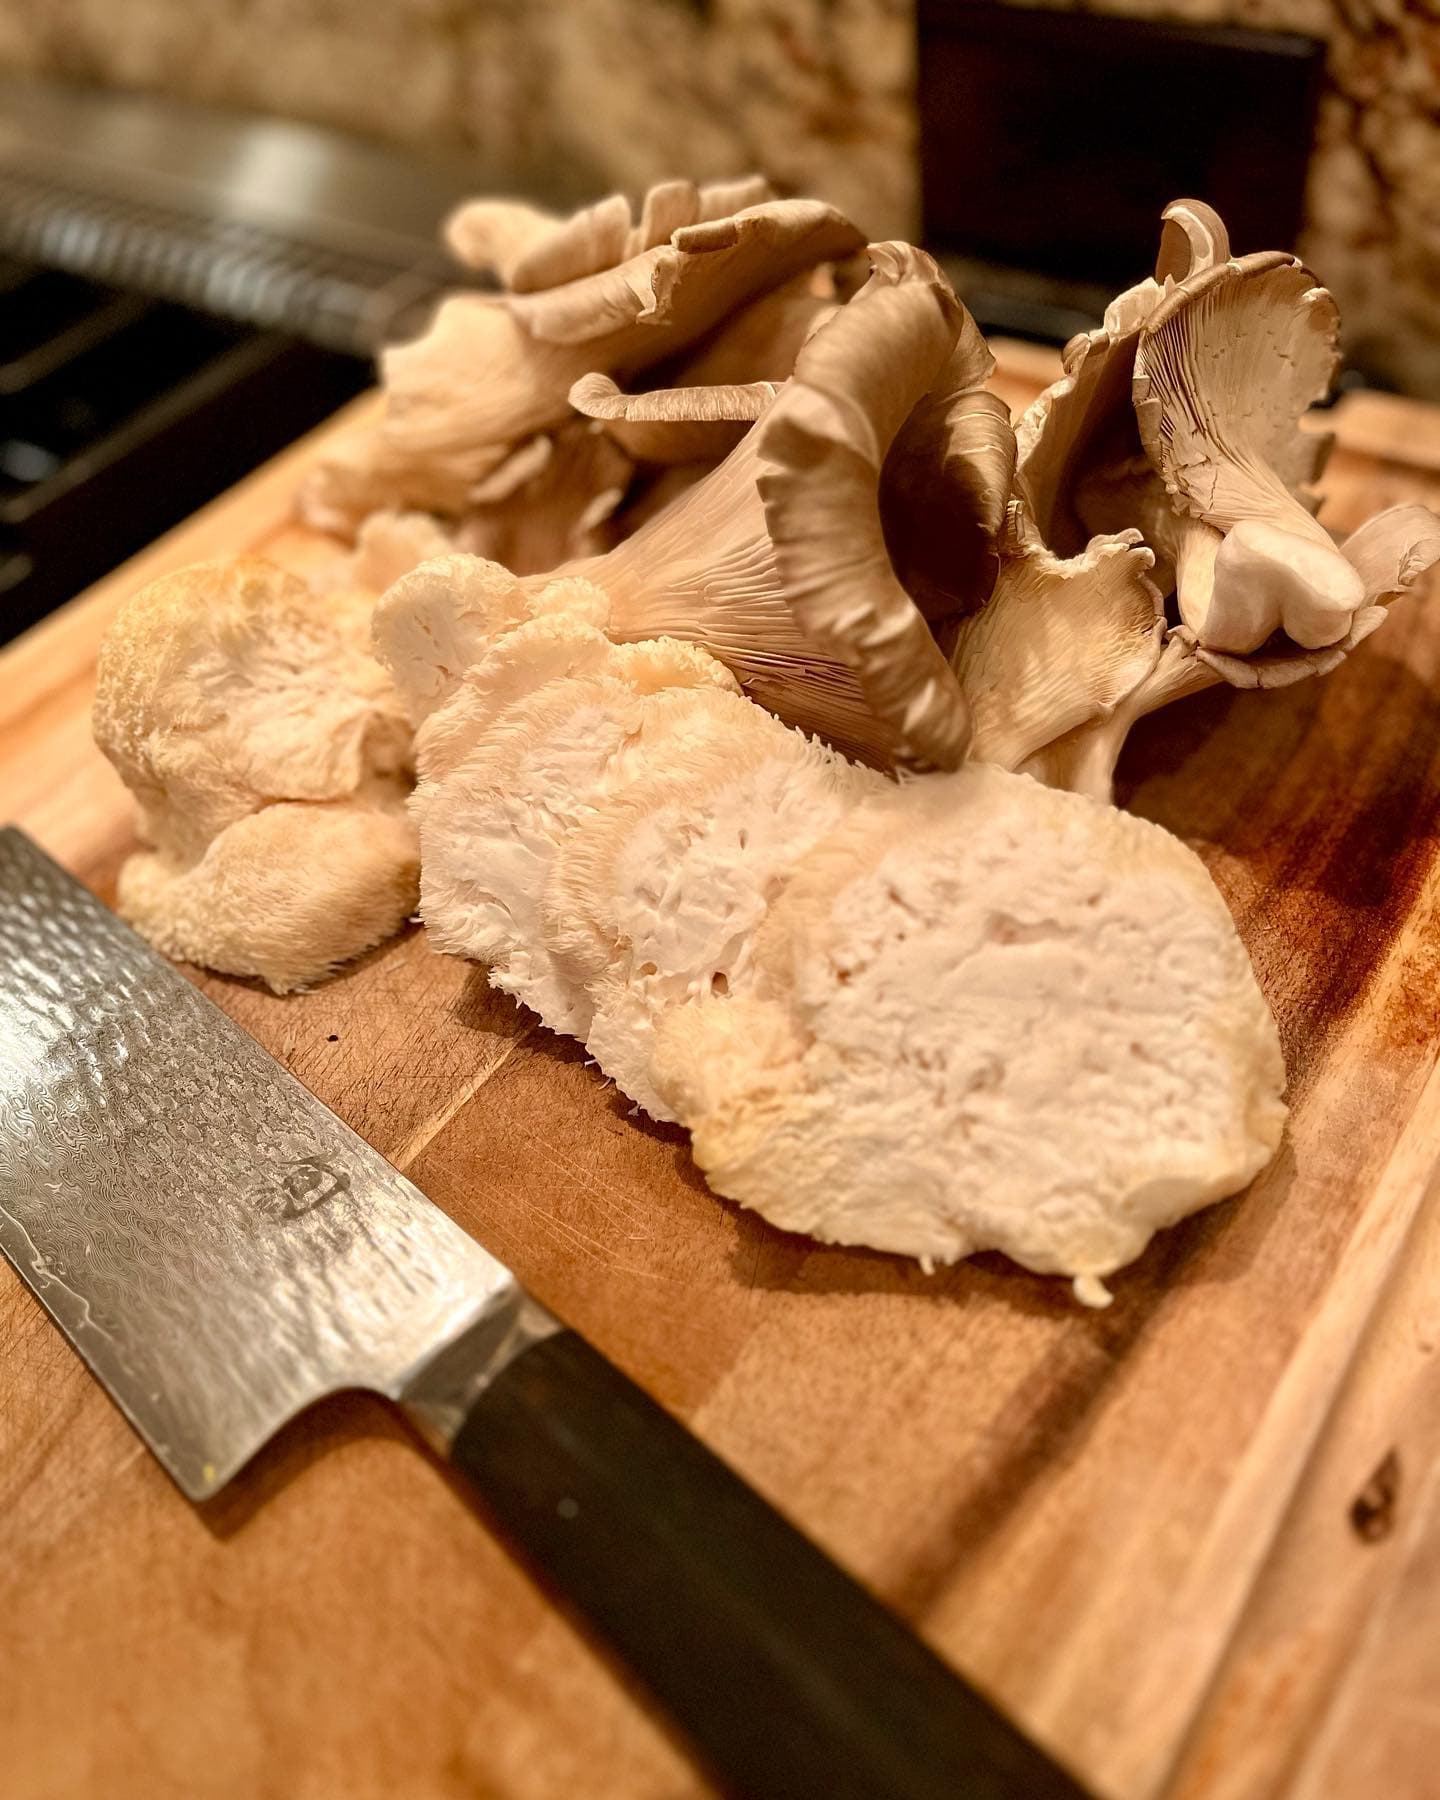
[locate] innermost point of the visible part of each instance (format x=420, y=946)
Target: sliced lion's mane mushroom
x=269, y=757
x=585, y=296
x=942, y=992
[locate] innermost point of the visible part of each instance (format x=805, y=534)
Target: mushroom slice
x=673, y=425
x=1061, y=645
x=286, y=894
x=490, y=826
x=439, y=619
x=550, y=647
x=988, y=1016
x=654, y=901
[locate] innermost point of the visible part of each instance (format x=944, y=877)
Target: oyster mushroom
x=1180, y=418
x=1062, y=645
x=492, y=370
x=674, y=425
x=530, y=249
x=1225, y=367
x=777, y=561
x=549, y=500
x=269, y=757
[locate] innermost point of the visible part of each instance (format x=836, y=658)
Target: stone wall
x=815, y=92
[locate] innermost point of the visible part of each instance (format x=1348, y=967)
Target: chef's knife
x=222, y=1250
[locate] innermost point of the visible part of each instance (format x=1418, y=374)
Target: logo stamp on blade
x=305, y=1185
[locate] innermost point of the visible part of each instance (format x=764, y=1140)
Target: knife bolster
x=439, y=1396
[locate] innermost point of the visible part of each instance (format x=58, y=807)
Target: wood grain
x=1133, y=1528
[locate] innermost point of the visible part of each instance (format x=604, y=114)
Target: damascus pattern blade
x=219, y=1246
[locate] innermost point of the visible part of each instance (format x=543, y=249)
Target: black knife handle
x=787, y=1677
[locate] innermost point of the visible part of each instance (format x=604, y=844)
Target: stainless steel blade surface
x=214, y=1241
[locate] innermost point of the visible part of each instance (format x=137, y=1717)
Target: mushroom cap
x=822, y=447
x=990, y=1016
x=1085, y=425
x=777, y=560
x=491, y=370
x=673, y=424
x=1392, y=550
x=714, y=393
x=946, y=483
x=1225, y=368
x=228, y=685
x=530, y=249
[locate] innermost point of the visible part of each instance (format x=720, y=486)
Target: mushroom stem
x=1267, y=578
x=1191, y=547
x=1083, y=761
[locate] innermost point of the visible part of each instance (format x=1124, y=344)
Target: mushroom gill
x=777, y=560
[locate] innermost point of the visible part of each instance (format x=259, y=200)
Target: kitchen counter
x=1192, y=1543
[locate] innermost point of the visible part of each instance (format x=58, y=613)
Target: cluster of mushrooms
x=710, y=658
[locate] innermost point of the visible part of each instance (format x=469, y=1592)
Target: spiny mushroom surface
x=654, y=900
x=554, y=719
x=269, y=758
x=987, y=1016
x=803, y=961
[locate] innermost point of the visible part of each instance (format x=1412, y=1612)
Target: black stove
x=120, y=414
x=182, y=293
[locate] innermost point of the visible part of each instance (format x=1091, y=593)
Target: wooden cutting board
x=1193, y=1542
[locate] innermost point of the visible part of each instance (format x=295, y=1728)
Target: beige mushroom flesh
x=741, y=653
x=269, y=759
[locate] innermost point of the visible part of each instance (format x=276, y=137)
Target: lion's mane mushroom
x=269, y=757
x=593, y=294
x=654, y=899
x=986, y=1016
x=778, y=561
x=555, y=723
